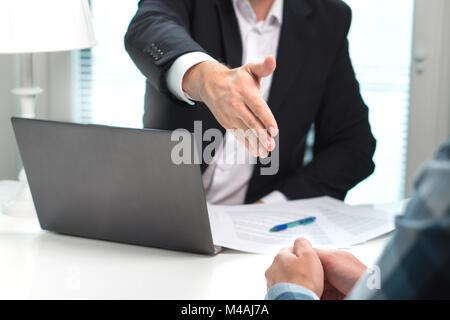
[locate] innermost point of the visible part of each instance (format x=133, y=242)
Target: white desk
x=35, y=264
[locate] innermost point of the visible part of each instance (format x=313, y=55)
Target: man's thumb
x=263, y=69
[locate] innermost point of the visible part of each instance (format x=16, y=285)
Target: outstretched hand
x=233, y=96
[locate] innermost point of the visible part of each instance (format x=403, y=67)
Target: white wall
x=8, y=150
x=9, y=159
x=429, y=124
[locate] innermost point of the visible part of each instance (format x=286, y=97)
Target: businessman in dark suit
x=279, y=66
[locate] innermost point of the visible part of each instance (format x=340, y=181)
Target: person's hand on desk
x=299, y=265
x=233, y=96
x=331, y=275
x=342, y=270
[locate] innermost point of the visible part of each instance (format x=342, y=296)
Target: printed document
x=246, y=228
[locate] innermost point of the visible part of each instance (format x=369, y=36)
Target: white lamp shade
x=28, y=26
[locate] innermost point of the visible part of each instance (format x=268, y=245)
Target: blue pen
x=301, y=222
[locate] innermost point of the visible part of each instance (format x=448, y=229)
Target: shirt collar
x=275, y=14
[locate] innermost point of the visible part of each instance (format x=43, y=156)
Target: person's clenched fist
x=298, y=265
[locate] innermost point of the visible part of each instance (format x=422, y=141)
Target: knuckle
x=302, y=243
x=308, y=253
x=245, y=93
x=287, y=249
x=247, y=67
x=253, y=98
x=235, y=104
x=241, y=73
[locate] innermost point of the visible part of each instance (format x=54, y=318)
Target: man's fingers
x=287, y=250
x=255, y=141
x=245, y=136
x=261, y=110
x=264, y=140
x=323, y=254
x=263, y=69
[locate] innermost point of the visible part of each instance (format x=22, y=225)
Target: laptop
x=114, y=184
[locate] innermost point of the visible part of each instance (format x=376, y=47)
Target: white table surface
x=36, y=264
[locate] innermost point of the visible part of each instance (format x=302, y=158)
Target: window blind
x=83, y=86
x=109, y=89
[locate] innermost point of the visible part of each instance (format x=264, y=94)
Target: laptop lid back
x=113, y=184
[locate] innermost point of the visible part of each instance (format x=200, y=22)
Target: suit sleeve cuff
x=275, y=197
x=289, y=291
x=179, y=68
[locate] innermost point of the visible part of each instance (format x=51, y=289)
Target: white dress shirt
x=225, y=181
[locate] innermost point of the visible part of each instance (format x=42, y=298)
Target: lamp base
x=22, y=205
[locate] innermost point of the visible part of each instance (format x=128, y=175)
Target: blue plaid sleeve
x=416, y=262
x=288, y=291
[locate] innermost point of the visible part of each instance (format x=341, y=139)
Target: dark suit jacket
x=314, y=83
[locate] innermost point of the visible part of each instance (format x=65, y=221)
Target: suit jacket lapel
x=294, y=38
x=293, y=49
x=230, y=32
